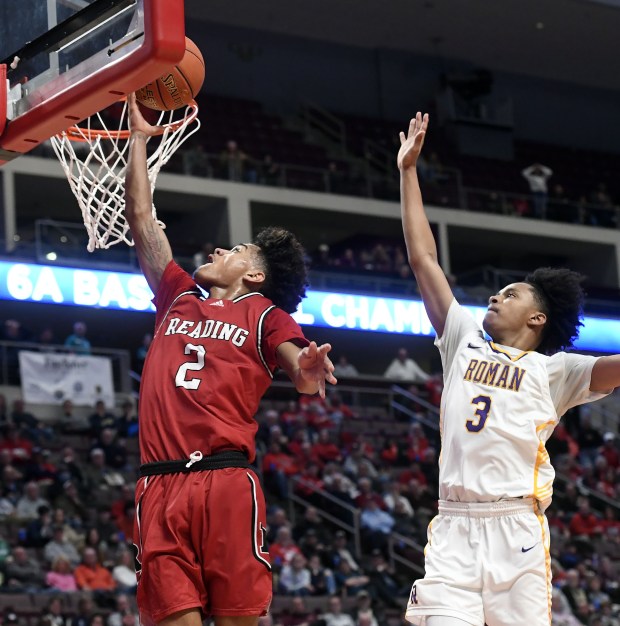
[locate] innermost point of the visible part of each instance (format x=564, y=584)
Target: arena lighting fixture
x=71, y=286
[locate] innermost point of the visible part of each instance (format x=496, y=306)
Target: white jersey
x=499, y=406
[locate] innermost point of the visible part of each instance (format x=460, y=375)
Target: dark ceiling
x=566, y=40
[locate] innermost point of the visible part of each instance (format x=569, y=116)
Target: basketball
x=179, y=86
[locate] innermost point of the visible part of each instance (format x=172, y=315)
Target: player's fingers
x=425, y=121
x=419, y=139
x=411, y=127
x=402, y=137
x=321, y=382
x=309, y=352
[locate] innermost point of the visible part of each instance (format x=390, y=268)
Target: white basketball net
x=95, y=161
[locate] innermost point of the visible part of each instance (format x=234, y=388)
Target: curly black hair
x=286, y=272
x=560, y=295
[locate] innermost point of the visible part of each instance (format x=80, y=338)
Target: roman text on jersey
x=495, y=375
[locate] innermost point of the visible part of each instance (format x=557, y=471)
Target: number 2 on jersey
x=482, y=412
x=180, y=378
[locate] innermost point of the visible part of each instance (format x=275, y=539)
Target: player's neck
x=522, y=340
x=229, y=293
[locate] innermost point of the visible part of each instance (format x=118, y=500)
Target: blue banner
x=120, y=290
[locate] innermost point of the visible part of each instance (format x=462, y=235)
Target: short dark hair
x=286, y=271
x=560, y=295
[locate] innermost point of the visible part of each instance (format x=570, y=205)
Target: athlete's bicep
x=605, y=374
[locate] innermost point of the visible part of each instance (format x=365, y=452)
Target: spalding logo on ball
x=178, y=87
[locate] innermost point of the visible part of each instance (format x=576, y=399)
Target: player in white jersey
x=487, y=557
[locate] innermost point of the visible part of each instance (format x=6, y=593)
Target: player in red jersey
x=200, y=511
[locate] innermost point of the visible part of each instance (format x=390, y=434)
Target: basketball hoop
x=97, y=177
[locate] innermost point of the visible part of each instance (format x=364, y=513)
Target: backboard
x=67, y=59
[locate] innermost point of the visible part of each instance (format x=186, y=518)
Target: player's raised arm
x=421, y=247
x=152, y=245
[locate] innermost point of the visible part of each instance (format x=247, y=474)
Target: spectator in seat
x=71, y=503
x=121, y=611
x=235, y=164
x=196, y=163
x=404, y=368
x=393, y=496
x=27, y=508
x=325, y=449
x=23, y=573
x=335, y=616
x=349, y=582
x=298, y=614
x=278, y=466
x=100, y=419
x=53, y=614
x=114, y=449
x=77, y=342
x=537, y=176
x=344, y=369
x=126, y=424
x=124, y=572
x=363, y=613
x=91, y=575
x=284, y=548
x=19, y=448
x=59, y=546
x=61, y=577
x=383, y=582
x=100, y=480
x=321, y=578
x=609, y=450
x=85, y=610
x=590, y=441
x=584, y=523
x=71, y=423
x=295, y=577
x=340, y=551
x=574, y=592
x=29, y=426
x=376, y=524
x=39, y=531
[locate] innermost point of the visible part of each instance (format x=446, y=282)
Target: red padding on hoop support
x=3, y=97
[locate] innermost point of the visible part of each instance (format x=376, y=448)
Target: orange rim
x=84, y=135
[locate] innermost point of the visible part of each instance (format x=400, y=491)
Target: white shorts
x=486, y=563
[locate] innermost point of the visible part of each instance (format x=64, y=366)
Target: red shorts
x=201, y=543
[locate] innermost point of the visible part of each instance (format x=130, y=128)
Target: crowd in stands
x=66, y=509
x=535, y=190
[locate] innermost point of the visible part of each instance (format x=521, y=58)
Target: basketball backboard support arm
x=94, y=84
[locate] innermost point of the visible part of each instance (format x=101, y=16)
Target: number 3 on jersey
x=482, y=412
x=190, y=366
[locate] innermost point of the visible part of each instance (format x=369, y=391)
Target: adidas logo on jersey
x=216, y=303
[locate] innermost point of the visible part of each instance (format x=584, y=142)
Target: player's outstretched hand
x=316, y=366
x=411, y=145
x=137, y=123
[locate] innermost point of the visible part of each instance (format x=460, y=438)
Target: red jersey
x=207, y=368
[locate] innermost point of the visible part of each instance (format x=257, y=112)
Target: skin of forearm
x=138, y=200
x=418, y=234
